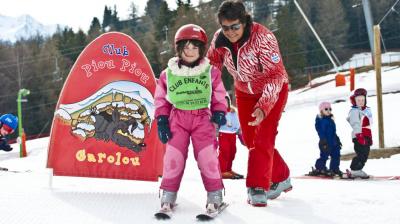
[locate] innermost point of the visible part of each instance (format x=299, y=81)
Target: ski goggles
x=233, y=27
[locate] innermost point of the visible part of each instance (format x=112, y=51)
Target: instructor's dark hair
x=233, y=10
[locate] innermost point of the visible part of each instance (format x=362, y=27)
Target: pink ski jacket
x=218, y=102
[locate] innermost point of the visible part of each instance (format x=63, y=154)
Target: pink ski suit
x=190, y=124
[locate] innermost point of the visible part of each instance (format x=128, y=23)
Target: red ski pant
x=227, y=150
x=265, y=165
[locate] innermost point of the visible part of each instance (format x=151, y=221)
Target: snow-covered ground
x=365, y=59
x=27, y=197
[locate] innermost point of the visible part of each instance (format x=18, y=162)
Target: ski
x=314, y=174
x=206, y=216
x=165, y=213
x=4, y=169
x=345, y=177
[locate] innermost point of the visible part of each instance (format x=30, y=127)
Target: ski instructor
x=251, y=55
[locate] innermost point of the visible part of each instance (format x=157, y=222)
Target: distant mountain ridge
x=23, y=27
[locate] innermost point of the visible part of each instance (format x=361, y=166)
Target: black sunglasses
x=233, y=27
x=328, y=109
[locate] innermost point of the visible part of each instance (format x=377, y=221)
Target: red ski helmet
x=191, y=32
x=358, y=92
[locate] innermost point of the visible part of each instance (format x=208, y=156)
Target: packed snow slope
x=28, y=197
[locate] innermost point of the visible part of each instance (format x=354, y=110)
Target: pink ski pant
x=194, y=125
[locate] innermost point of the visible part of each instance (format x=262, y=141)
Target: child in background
x=329, y=143
x=360, y=119
x=190, y=104
x=227, y=142
x=8, y=124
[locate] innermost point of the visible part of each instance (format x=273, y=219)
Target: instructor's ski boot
x=256, y=197
x=214, y=201
x=231, y=175
x=277, y=188
x=237, y=176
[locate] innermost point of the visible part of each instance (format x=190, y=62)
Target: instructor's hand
x=259, y=116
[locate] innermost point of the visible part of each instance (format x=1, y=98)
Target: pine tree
x=390, y=28
x=43, y=85
x=163, y=21
x=186, y=14
x=107, y=17
x=152, y=51
x=289, y=41
x=313, y=53
x=95, y=29
x=357, y=32
x=80, y=39
x=262, y=10
x=152, y=8
x=206, y=18
x=179, y=3
x=333, y=34
x=132, y=18
x=115, y=22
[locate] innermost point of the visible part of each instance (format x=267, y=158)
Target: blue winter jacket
x=4, y=145
x=326, y=129
x=232, y=123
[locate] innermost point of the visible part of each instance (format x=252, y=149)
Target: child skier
x=189, y=97
x=329, y=143
x=8, y=124
x=227, y=142
x=360, y=119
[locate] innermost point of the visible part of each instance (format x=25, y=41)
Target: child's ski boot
x=357, y=174
x=335, y=174
x=214, y=206
x=317, y=172
x=168, y=200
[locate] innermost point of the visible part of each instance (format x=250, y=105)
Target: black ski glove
x=218, y=117
x=323, y=145
x=164, y=133
x=4, y=145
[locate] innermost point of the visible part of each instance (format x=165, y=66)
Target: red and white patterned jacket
x=257, y=68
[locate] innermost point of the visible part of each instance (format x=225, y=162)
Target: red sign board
x=104, y=120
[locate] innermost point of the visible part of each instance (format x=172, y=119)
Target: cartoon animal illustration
x=119, y=112
x=111, y=127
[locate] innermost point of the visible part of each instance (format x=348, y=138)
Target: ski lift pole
x=378, y=60
x=316, y=35
x=370, y=26
x=21, y=134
